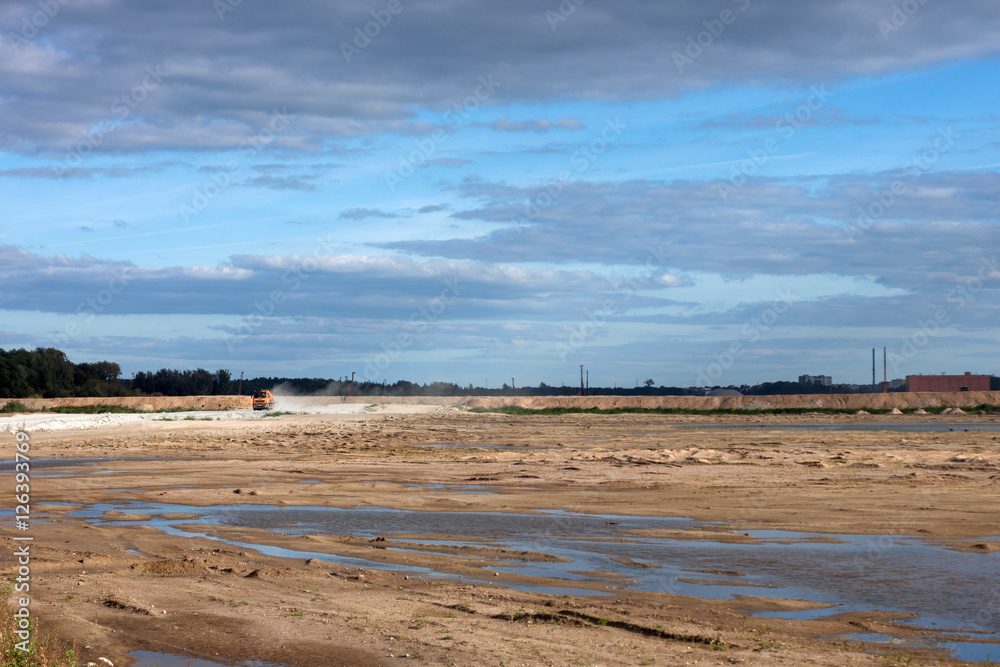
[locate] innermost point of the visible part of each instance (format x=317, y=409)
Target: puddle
x=917, y=427
x=968, y=651
x=947, y=589
x=94, y=513
x=512, y=448
x=41, y=463
x=473, y=489
x=58, y=464
x=973, y=652
x=150, y=659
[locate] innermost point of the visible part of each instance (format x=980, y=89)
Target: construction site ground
x=122, y=584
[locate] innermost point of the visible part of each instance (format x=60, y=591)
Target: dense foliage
x=48, y=373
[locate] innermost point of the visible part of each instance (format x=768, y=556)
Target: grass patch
x=42, y=652
x=279, y=413
x=102, y=408
x=98, y=409
x=518, y=411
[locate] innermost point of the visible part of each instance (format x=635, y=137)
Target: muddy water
x=968, y=651
x=151, y=659
x=949, y=590
x=916, y=427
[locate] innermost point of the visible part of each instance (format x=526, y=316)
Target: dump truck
x=263, y=400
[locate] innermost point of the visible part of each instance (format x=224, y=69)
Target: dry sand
x=116, y=588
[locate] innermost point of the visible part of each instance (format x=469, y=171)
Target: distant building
x=967, y=382
x=824, y=380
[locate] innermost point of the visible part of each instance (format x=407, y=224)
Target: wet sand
x=117, y=587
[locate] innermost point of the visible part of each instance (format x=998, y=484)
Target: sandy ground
x=116, y=588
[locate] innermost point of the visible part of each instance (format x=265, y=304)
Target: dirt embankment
x=147, y=403
x=903, y=401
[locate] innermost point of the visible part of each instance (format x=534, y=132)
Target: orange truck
x=263, y=400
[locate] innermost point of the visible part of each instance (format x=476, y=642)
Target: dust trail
x=327, y=400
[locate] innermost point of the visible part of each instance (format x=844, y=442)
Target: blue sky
x=482, y=191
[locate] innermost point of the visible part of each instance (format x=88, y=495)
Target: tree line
x=48, y=373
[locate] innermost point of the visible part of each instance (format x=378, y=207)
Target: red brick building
x=967, y=382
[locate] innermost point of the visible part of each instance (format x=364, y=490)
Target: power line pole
x=581, y=379
x=885, y=376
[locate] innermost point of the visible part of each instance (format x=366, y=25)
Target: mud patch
x=124, y=604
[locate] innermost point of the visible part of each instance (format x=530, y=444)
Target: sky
x=697, y=193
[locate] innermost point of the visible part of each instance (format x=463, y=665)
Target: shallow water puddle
x=516, y=448
x=947, y=589
x=151, y=659
x=918, y=427
x=968, y=651
x=472, y=489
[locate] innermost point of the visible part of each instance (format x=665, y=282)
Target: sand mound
x=170, y=567
x=265, y=573
x=895, y=411
x=920, y=411
x=901, y=400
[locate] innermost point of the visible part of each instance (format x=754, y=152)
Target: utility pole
x=581, y=379
x=588, y=382
x=873, y=370
x=885, y=376
x=240, y=390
